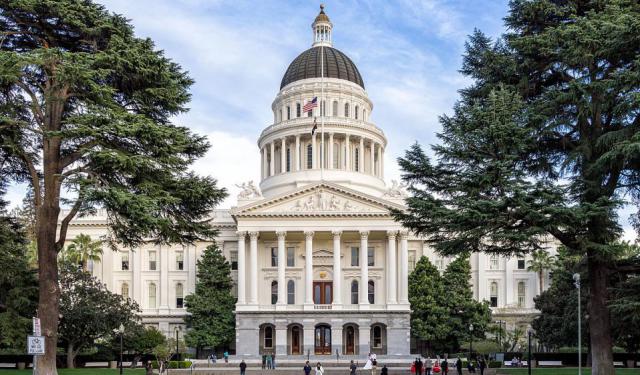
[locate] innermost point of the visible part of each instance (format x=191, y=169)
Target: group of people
x=516, y=362
x=213, y=358
x=438, y=366
x=269, y=361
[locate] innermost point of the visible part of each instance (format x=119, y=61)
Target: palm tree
x=82, y=250
x=540, y=261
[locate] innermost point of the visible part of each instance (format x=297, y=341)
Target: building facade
x=319, y=264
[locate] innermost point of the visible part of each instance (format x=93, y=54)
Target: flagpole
x=322, y=111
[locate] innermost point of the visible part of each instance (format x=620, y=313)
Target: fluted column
x=337, y=268
x=314, y=161
x=163, y=288
x=242, y=273
x=361, y=156
x=347, y=153
x=281, y=264
x=272, y=164
x=308, y=268
x=372, y=159
x=330, y=158
x=391, y=267
x=283, y=155
x=404, y=268
x=381, y=162
x=379, y=166
x=364, y=267
x=253, y=261
x=297, y=152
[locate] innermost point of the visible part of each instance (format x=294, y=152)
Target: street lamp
x=178, y=329
x=576, y=278
x=120, y=330
x=500, y=333
x=470, y=341
x=529, y=359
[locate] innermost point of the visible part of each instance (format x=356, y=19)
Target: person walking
x=374, y=363
x=445, y=365
x=273, y=361
x=319, y=369
x=226, y=356
x=353, y=368
x=419, y=366
x=385, y=370
x=428, y=365
x=482, y=364
x=264, y=361
x=243, y=367
x=269, y=362
x=459, y=366
x=307, y=368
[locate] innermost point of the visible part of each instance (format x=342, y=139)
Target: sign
x=35, y=345
x=36, y=327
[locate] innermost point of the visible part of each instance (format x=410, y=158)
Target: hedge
x=173, y=364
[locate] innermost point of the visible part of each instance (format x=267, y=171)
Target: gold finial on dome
x=322, y=17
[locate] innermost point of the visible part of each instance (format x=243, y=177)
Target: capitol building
x=320, y=266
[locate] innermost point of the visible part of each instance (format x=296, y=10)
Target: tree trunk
x=599, y=319
x=71, y=356
x=541, y=277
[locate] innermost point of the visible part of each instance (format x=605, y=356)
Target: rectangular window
x=355, y=256
x=298, y=110
x=371, y=257
x=291, y=257
x=412, y=260
x=309, y=157
x=494, y=301
x=493, y=262
x=179, y=302
x=288, y=160
x=288, y=113
x=274, y=257
x=521, y=263
x=124, y=261
x=152, y=260
x=179, y=260
x=233, y=259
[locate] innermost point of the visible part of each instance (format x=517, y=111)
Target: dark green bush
x=495, y=364
x=173, y=364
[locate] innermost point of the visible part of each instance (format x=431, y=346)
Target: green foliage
x=211, y=321
x=82, y=250
x=90, y=311
x=138, y=339
x=173, y=364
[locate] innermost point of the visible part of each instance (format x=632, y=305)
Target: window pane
x=291, y=292
x=371, y=291
x=371, y=256
x=179, y=260
x=354, y=292
x=291, y=260
x=274, y=292
x=274, y=257
x=355, y=255
x=233, y=258
x=521, y=264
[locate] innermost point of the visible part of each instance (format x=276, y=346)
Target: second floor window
x=493, y=262
x=291, y=257
x=354, y=292
x=274, y=292
x=152, y=261
x=298, y=110
x=522, y=289
x=124, y=261
x=274, y=257
x=355, y=256
x=493, y=295
x=521, y=264
x=179, y=260
x=309, y=157
x=179, y=296
x=233, y=259
x=371, y=257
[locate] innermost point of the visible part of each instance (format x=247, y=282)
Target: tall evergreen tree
x=557, y=164
x=86, y=107
x=211, y=321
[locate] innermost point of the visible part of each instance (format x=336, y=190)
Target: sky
x=408, y=53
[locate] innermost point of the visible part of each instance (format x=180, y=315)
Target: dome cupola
x=322, y=29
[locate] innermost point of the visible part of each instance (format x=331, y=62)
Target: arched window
x=522, y=289
x=371, y=291
x=336, y=155
x=291, y=292
x=288, y=113
x=377, y=337
x=152, y=296
x=298, y=110
x=346, y=109
x=494, y=294
x=356, y=159
x=268, y=337
x=124, y=290
x=280, y=115
x=309, y=156
x=179, y=296
x=288, y=159
x=274, y=292
x=334, y=110
x=493, y=262
x=354, y=292
x=355, y=112
x=364, y=115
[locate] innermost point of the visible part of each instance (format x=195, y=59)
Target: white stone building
x=320, y=265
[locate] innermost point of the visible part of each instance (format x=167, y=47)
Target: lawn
x=79, y=371
x=561, y=371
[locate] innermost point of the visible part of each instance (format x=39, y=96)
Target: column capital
x=281, y=234
x=391, y=234
x=336, y=233
x=403, y=234
x=308, y=234
x=241, y=233
x=364, y=234
x=254, y=235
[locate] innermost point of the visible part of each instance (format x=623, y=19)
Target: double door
x=322, y=292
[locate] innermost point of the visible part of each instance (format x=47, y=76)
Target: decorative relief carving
x=397, y=190
x=321, y=201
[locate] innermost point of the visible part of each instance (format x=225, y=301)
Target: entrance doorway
x=322, y=292
x=350, y=342
x=323, y=339
x=295, y=341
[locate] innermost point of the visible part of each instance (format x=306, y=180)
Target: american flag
x=310, y=105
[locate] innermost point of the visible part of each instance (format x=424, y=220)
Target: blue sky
x=408, y=53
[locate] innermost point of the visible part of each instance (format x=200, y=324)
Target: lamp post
x=470, y=341
x=178, y=328
x=500, y=334
x=121, y=332
x=529, y=359
x=576, y=279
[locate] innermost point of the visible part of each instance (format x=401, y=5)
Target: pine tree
x=558, y=159
x=86, y=107
x=211, y=320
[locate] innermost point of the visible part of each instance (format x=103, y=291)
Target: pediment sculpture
x=248, y=191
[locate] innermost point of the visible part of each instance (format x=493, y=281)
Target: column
x=253, y=262
x=136, y=272
x=261, y=164
x=361, y=156
x=364, y=268
x=314, y=160
x=372, y=155
x=379, y=166
x=190, y=251
x=391, y=266
x=282, y=261
x=404, y=269
x=281, y=338
x=330, y=158
x=364, y=337
x=381, y=163
x=297, y=153
x=308, y=268
x=510, y=281
x=272, y=164
x=242, y=274
x=347, y=154
x=163, y=288
x=283, y=155
x=337, y=269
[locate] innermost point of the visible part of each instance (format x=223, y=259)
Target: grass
x=560, y=371
x=79, y=371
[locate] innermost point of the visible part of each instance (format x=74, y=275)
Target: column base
x=403, y=306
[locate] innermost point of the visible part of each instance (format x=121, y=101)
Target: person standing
x=428, y=365
x=459, y=366
x=445, y=365
x=419, y=366
x=226, y=356
x=273, y=361
x=353, y=368
x=319, y=369
x=243, y=367
x=482, y=364
x=385, y=370
x=307, y=368
x=264, y=361
x=374, y=363
x=269, y=362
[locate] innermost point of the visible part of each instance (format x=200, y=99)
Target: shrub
x=173, y=364
x=495, y=364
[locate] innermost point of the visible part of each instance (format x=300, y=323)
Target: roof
x=336, y=65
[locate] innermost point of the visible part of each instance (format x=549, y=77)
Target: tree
x=463, y=310
x=82, y=250
x=89, y=311
x=556, y=160
x=86, y=107
x=138, y=340
x=211, y=320
x=428, y=314
x=540, y=262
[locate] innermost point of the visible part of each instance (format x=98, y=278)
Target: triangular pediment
x=321, y=199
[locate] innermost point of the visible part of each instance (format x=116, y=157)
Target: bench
x=618, y=364
x=550, y=363
x=522, y=364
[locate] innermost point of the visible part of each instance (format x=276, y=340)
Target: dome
x=336, y=65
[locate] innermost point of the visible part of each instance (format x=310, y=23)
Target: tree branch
x=64, y=225
x=35, y=179
x=71, y=158
x=35, y=107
